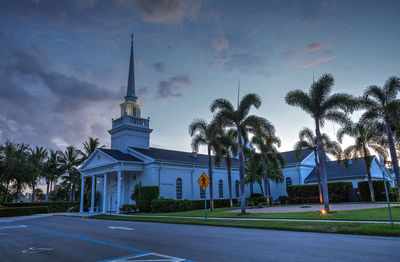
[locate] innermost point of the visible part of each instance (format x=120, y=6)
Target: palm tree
x=379, y=103
x=323, y=107
x=253, y=168
x=17, y=166
x=69, y=160
x=52, y=170
x=227, y=149
x=307, y=140
x=37, y=158
x=265, y=141
x=229, y=117
x=205, y=134
x=89, y=147
x=367, y=135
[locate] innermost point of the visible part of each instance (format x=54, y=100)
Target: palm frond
x=299, y=98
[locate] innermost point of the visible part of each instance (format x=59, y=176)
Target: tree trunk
x=51, y=185
x=371, y=187
x=261, y=188
x=70, y=193
x=33, y=193
x=393, y=154
x=6, y=193
x=228, y=166
x=265, y=177
x=322, y=166
x=18, y=192
x=241, y=174
x=73, y=191
x=211, y=179
x=321, y=199
x=47, y=191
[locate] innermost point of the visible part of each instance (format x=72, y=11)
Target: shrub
x=146, y=195
x=170, y=205
x=257, y=198
x=127, y=208
x=299, y=194
x=283, y=200
x=393, y=194
x=379, y=190
x=56, y=206
x=199, y=204
x=23, y=211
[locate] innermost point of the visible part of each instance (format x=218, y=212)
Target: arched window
x=251, y=188
x=288, y=182
x=221, y=188
x=202, y=193
x=237, y=188
x=179, y=188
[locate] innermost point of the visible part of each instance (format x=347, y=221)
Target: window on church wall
x=251, y=188
x=179, y=188
x=202, y=193
x=237, y=191
x=221, y=188
x=288, y=182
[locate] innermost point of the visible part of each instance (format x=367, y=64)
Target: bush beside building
x=298, y=194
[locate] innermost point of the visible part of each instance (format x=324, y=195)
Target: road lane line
x=11, y=227
x=25, y=238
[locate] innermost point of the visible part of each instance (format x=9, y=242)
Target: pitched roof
x=179, y=156
x=335, y=171
x=118, y=155
x=291, y=159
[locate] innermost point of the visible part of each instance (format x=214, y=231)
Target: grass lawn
x=375, y=214
x=322, y=227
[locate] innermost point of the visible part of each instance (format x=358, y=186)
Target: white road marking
x=32, y=250
x=20, y=218
x=10, y=227
x=122, y=228
x=147, y=257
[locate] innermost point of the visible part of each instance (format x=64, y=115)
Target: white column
x=104, y=192
x=93, y=195
x=82, y=192
x=119, y=191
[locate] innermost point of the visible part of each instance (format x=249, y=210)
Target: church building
x=131, y=161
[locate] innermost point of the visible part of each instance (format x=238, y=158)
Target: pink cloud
x=219, y=42
x=316, y=46
x=317, y=61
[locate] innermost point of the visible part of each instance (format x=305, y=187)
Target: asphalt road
x=56, y=238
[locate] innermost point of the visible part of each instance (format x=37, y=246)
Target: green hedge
x=379, y=190
x=55, y=206
x=309, y=193
x=146, y=195
x=170, y=205
x=23, y=211
x=199, y=204
x=127, y=208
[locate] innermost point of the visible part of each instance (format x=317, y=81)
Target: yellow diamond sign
x=203, y=181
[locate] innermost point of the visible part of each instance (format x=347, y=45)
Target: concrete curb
x=271, y=219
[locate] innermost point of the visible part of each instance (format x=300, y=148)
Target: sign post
x=203, y=182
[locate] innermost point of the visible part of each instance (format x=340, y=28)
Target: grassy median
x=321, y=227
x=374, y=214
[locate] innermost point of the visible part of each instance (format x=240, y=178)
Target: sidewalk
x=269, y=219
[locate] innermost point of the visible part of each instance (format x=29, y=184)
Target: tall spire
x=130, y=92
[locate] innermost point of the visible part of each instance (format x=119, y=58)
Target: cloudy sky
x=63, y=64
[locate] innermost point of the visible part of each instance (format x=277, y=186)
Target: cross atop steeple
x=130, y=92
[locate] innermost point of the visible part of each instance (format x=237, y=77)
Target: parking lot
x=25, y=241
x=60, y=238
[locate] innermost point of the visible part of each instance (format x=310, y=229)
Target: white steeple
x=130, y=130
